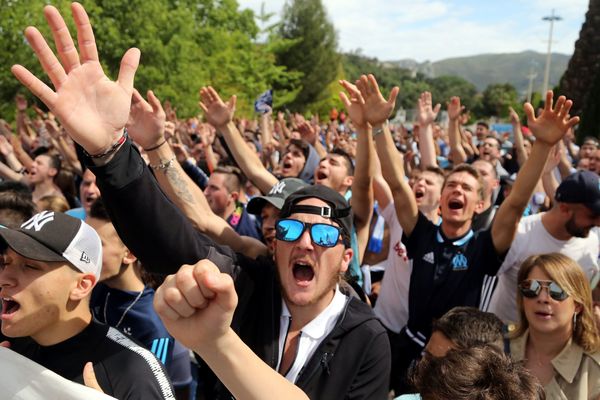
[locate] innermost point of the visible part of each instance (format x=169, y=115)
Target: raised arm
x=426, y=114
x=362, y=184
x=378, y=110
x=518, y=134
x=548, y=129
x=94, y=110
x=457, y=151
x=220, y=114
x=146, y=127
x=196, y=305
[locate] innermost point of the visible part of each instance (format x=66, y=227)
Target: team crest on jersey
x=459, y=262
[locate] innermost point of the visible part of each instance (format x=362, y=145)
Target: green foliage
x=313, y=52
x=497, y=98
x=590, y=115
x=185, y=44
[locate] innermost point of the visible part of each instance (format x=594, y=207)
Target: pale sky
x=437, y=29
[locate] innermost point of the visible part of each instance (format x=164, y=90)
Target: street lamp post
x=550, y=18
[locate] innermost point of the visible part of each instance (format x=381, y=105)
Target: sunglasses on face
x=324, y=235
x=531, y=288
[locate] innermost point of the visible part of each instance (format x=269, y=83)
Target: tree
x=581, y=81
x=444, y=87
x=497, y=98
x=313, y=53
x=185, y=44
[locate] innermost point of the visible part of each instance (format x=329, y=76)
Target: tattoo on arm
x=179, y=184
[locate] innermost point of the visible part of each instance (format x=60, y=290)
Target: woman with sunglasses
x=557, y=338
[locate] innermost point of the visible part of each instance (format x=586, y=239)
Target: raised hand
x=146, y=124
x=307, y=132
x=513, y=116
x=21, y=102
x=355, y=104
x=92, y=108
x=454, y=108
x=553, y=122
x=217, y=112
x=5, y=147
x=196, y=304
x=426, y=114
x=377, y=108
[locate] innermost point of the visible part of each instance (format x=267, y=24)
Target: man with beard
x=567, y=228
x=291, y=313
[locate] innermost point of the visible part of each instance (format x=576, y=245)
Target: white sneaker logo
x=429, y=258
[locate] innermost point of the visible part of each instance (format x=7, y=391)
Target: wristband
x=157, y=146
x=111, y=149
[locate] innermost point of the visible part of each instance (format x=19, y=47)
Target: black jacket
x=353, y=362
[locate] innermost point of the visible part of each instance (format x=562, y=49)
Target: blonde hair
x=570, y=277
x=52, y=203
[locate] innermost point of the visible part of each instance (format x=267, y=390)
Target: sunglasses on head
x=531, y=288
x=324, y=235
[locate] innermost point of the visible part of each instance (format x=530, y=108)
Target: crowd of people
x=149, y=256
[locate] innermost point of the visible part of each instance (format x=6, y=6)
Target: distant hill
x=481, y=70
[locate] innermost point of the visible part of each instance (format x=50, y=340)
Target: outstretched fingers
x=36, y=86
x=45, y=55
x=85, y=34
x=67, y=51
x=129, y=65
x=394, y=95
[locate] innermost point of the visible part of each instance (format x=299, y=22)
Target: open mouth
x=9, y=306
x=321, y=175
x=287, y=164
x=303, y=273
x=455, y=205
x=419, y=193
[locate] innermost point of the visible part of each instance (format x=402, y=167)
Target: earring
x=574, y=321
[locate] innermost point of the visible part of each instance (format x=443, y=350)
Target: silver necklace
x=124, y=312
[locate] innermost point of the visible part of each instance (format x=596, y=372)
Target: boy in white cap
x=49, y=267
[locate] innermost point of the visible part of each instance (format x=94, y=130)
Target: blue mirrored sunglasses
x=324, y=235
x=531, y=288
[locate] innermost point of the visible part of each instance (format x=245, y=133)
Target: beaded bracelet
x=111, y=149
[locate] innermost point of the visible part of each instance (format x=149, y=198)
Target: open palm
x=92, y=108
x=377, y=108
x=554, y=122
x=217, y=112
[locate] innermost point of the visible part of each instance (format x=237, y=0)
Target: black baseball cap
x=582, y=187
x=276, y=196
x=339, y=210
x=53, y=236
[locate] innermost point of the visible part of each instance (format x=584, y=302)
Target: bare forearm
x=519, y=145
x=244, y=374
x=186, y=195
x=393, y=172
x=427, y=147
x=248, y=160
x=511, y=210
x=362, y=185
x=457, y=152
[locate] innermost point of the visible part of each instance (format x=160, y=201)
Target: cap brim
x=256, y=204
x=594, y=207
x=28, y=247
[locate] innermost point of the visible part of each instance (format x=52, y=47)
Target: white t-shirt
x=311, y=335
x=392, y=304
x=533, y=238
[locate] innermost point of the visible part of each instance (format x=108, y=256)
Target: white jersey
x=533, y=238
x=392, y=304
